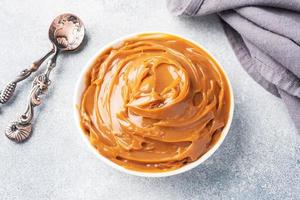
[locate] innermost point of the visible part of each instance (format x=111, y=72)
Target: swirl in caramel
x=154, y=103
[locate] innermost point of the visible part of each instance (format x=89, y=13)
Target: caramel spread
x=154, y=103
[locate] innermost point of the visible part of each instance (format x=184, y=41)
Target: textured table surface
x=259, y=159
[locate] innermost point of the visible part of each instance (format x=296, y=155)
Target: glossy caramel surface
x=154, y=103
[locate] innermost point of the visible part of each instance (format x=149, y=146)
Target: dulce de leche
x=154, y=103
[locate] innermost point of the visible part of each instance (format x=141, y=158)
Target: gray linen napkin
x=265, y=36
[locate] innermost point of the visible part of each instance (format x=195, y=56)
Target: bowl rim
x=80, y=87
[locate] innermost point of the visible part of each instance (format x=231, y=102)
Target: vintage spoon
x=66, y=34
x=9, y=88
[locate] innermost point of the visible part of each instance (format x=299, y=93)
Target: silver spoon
x=66, y=34
x=9, y=88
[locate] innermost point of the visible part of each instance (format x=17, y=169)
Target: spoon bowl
x=66, y=32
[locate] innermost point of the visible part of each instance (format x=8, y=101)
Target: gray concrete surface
x=259, y=159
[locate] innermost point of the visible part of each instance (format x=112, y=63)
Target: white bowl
x=81, y=85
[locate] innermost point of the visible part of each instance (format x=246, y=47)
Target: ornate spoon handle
x=21, y=129
x=8, y=91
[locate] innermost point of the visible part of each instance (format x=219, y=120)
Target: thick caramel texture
x=154, y=103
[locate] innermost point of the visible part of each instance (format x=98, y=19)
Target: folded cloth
x=265, y=36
